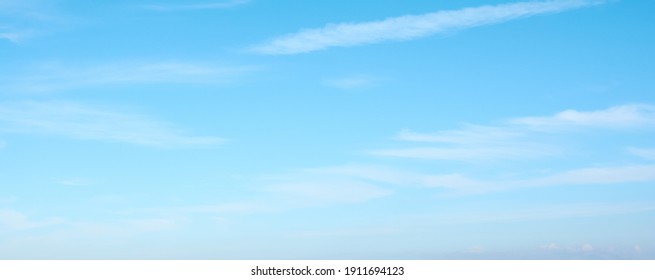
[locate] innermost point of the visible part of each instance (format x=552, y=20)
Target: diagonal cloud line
x=410, y=26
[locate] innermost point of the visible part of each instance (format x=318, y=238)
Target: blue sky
x=260, y=129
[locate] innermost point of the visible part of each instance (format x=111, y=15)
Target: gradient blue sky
x=261, y=129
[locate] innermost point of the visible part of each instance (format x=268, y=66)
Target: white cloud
x=13, y=34
x=14, y=220
x=410, y=26
x=468, y=134
x=474, y=250
x=13, y=37
x=74, y=182
x=289, y=192
x=84, y=122
x=551, y=247
x=386, y=175
x=342, y=233
x=119, y=228
x=462, y=184
x=371, y=173
x=195, y=6
x=471, y=143
x=596, y=176
x=38, y=10
x=535, y=213
x=26, y=18
x=520, y=138
x=467, y=153
x=352, y=82
x=624, y=116
x=454, y=181
x=587, y=248
x=322, y=192
x=587, y=251
x=7, y=200
x=643, y=153
x=506, y=141
x=230, y=207
x=55, y=77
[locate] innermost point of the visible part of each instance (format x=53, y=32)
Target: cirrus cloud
x=410, y=26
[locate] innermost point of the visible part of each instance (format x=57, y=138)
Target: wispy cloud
x=625, y=116
x=229, y=208
x=129, y=227
x=643, y=153
x=14, y=220
x=12, y=35
x=27, y=9
x=85, y=122
x=24, y=19
x=462, y=184
x=195, y=6
x=55, y=77
x=325, y=192
x=595, y=176
x=519, y=138
x=410, y=26
x=388, y=175
x=510, y=140
x=7, y=200
x=532, y=213
x=469, y=153
x=345, y=233
x=291, y=192
x=471, y=144
x=74, y=182
x=468, y=134
x=350, y=82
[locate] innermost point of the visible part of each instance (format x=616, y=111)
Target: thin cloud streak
x=462, y=184
x=30, y=9
x=13, y=37
x=410, y=26
x=621, y=117
x=642, y=153
x=388, y=175
x=596, y=176
x=84, y=122
x=468, y=153
x=520, y=138
x=14, y=220
x=196, y=6
x=27, y=19
x=322, y=192
x=469, y=134
x=350, y=83
x=537, y=213
x=55, y=77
